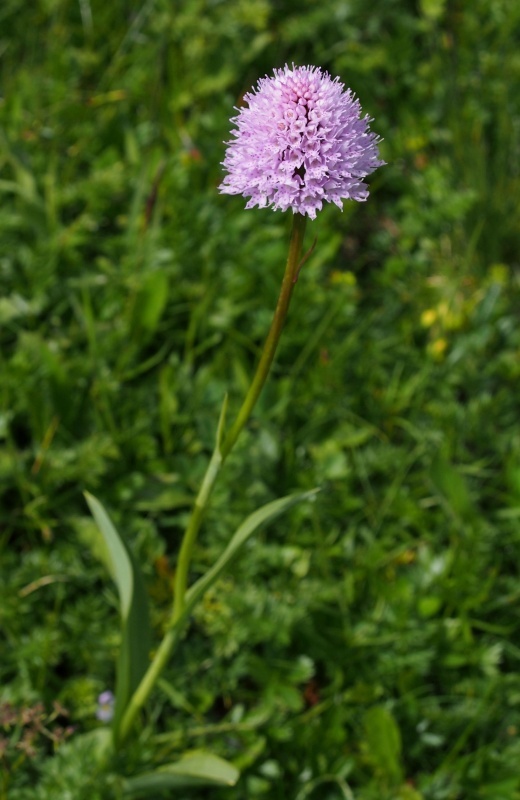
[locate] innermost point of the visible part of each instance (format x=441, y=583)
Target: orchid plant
x=300, y=141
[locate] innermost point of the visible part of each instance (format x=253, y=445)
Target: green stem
x=273, y=337
x=220, y=454
x=188, y=542
x=144, y=689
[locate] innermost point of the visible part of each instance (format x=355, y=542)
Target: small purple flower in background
x=300, y=142
x=105, y=709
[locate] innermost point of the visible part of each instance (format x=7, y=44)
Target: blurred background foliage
x=365, y=646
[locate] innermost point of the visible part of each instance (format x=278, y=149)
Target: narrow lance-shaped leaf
x=135, y=625
x=193, y=769
x=261, y=516
x=451, y=484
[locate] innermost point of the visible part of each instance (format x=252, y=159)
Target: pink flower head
x=301, y=141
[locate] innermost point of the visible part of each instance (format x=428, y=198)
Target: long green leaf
x=259, y=517
x=384, y=741
x=135, y=624
x=193, y=769
x=452, y=486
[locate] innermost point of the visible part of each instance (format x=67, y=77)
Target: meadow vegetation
x=367, y=644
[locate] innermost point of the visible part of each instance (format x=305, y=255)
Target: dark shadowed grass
x=372, y=639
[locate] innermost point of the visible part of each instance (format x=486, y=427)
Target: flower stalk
x=221, y=452
x=289, y=281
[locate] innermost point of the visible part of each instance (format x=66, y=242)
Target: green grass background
x=372, y=639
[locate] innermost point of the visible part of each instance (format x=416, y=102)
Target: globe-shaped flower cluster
x=300, y=141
